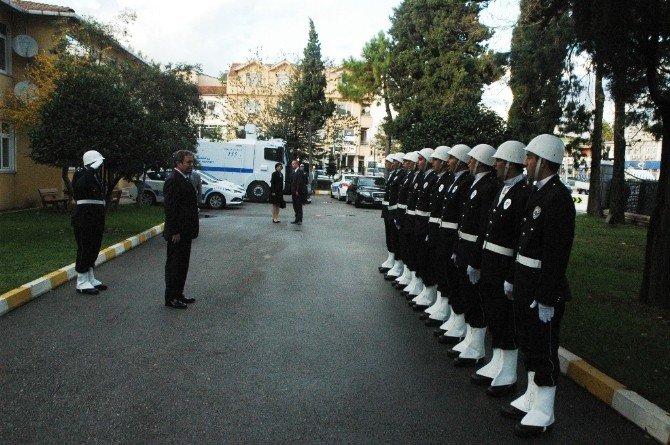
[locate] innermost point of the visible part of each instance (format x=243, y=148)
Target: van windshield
x=275, y=154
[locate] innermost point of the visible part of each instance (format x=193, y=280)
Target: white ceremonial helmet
x=398, y=156
x=389, y=158
x=547, y=146
x=511, y=151
x=92, y=156
x=460, y=152
x=441, y=153
x=412, y=156
x=426, y=153
x=483, y=153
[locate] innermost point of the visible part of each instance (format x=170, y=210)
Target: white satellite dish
x=25, y=46
x=25, y=91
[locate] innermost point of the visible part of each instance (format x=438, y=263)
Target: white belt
x=411, y=212
x=528, y=262
x=422, y=213
x=498, y=249
x=449, y=225
x=393, y=207
x=385, y=203
x=467, y=237
x=402, y=206
x=91, y=201
x=435, y=220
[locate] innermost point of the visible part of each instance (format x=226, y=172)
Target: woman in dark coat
x=277, y=191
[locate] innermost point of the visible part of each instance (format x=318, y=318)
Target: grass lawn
x=604, y=323
x=37, y=242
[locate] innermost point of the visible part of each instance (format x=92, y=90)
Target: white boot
x=397, y=269
x=449, y=323
x=435, y=306
x=84, y=286
x=460, y=347
x=412, y=282
x=491, y=369
x=406, y=276
x=96, y=283
x=525, y=402
x=428, y=296
x=475, y=349
x=458, y=328
x=507, y=370
x=390, y=261
x=441, y=309
x=541, y=413
x=418, y=288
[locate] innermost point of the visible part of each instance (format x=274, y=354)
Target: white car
x=338, y=189
x=215, y=194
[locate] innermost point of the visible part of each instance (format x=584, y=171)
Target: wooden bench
x=50, y=199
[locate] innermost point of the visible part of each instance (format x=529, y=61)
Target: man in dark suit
x=181, y=227
x=298, y=191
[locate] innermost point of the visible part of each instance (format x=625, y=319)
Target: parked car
x=338, y=189
x=366, y=190
x=215, y=194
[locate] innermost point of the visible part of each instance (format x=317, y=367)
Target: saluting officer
x=453, y=330
x=422, y=212
x=391, y=165
x=438, y=312
x=471, y=226
x=408, y=223
x=409, y=161
x=540, y=285
x=88, y=221
x=494, y=256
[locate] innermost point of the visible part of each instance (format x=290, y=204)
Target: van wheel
x=148, y=199
x=216, y=201
x=258, y=191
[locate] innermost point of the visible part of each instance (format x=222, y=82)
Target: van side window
x=275, y=154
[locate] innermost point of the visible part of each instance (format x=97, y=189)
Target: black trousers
x=445, y=269
x=470, y=299
x=389, y=229
x=297, y=207
x=89, y=240
x=538, y=341
x=498, y=309
x=176, y=267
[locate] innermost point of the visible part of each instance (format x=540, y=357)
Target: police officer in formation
x=475, y=245
x=88, y=221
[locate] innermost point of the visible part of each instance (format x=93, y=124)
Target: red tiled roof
x=35, y=6
x=211, y=90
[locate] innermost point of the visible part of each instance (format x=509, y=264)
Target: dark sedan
x=366, y=190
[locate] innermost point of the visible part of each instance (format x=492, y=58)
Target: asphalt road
x=295, y=338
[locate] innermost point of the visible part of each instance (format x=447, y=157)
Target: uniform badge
x=537, y=212
x=425, y=185
x=508, y=202
x=473, y=194
x=416, y=185
x=454, y=189
x=441, y=188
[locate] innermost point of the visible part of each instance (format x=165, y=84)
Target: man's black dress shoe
x=447, y=340
x=176, y=304
x=463, y=362
x=294, y=222
x=424, y=316
x=186, y=300
x=452, y=353
x=501, y=390
x=439, y=332
x=384, y=269
x=419, y=307
x=404, y=292
x=481, y=380
x=88, y=291
x=511, y=412
x=433, y=322
x=388, y=277
x=101, y=287
x=531, y=431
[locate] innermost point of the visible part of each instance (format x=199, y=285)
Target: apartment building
x=213, y=97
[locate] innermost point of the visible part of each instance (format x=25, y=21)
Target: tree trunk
x=309, y=147
x=594, y=207
x=655, y=278
x=618, y=194
x=64, y=173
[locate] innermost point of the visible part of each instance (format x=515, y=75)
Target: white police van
x=247, y=162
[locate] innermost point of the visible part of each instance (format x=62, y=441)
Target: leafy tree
x=331, y=168
x=439, y=58
x=368, y=78
x=597, y=136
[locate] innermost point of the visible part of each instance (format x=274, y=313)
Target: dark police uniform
x=88, y=219
x=436, y=250
x=494, y=256
x=408, y=221
x=400, y=213
x=472, y=224
x=547, y=231
x=393, y=211
x=385, y=212
x=425, y=190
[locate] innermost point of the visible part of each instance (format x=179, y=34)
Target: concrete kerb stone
x=23, y=294
x=629, y=404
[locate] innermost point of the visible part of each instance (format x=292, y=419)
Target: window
x=252, y=106
x=282, y=80
x=4, y=49
x=364, y=136
x=365, y=110
x=253, y=79
x=343, y=108
x=372, y=182
x=6, y=148
x=275, y=154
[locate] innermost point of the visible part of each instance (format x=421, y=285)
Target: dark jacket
x=394, y=189
x=452, y=205
x=181, y=207
x=387, y=193
x=547, y=232
x=277, y=188
x=86, y=184
x=299, y=184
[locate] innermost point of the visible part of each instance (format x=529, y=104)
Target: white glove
x=546, y=313
x=397, y=224
x=96, y=165
x=453, y=258
x=426, y=238
x=473, y=274
x=508, y=288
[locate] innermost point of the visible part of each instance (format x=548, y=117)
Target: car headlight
x=366, y=194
